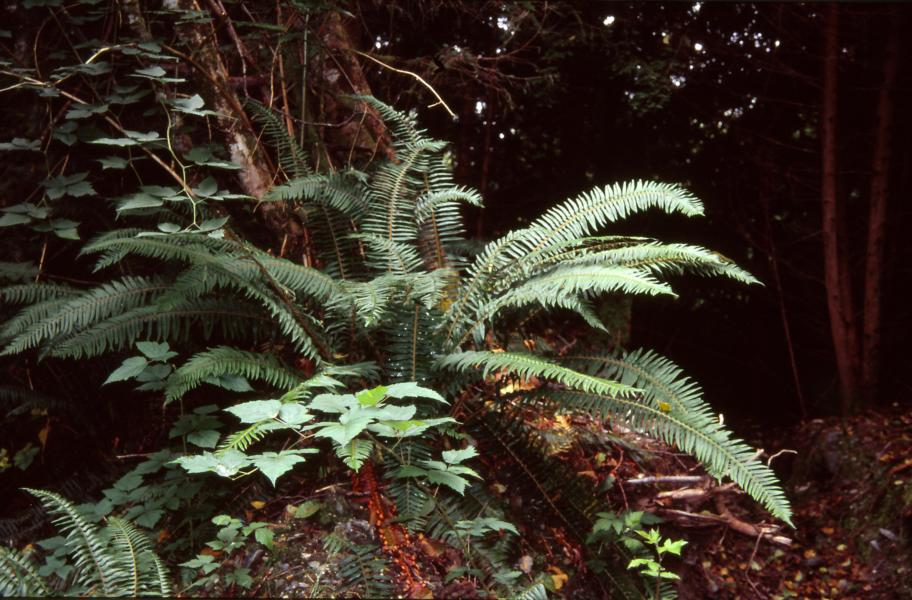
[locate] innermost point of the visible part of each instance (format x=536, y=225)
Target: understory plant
x=386, y=290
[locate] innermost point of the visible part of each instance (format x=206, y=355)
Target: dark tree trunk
x=877, y=220
x=843, y=322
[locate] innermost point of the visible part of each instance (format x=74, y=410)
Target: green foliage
x=116, y=560
x=386, y=293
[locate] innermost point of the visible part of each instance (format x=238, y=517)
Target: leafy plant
x=115, y=560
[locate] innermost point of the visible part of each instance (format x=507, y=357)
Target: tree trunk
x=843, y=324
x=256, y=173
x=877, y=219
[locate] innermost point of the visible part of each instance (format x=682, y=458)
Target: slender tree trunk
x=843, y=323
x=877, y=220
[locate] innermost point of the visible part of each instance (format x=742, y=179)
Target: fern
x=85, y=310
x=671, y=407
x=230, y=361
x=19, y=577
x=529, y=365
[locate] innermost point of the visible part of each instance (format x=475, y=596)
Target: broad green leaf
x=294, y=413
x=412, y=390
x=333, y=403
x=207, y=438
x=307, y=509
x=256, y=410
x=10, y=218
x=454, y=482
x=371, y=397
x=457, y=456
x=129, y=368
x=391, y=412
x=113, y=162
x=275, y=464
x=156, y=350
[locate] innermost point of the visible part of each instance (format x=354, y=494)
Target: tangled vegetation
x=288, y=304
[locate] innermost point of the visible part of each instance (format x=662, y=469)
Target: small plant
x=232, y=535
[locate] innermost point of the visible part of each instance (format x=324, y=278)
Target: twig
x=440, y=100
x=683, y=479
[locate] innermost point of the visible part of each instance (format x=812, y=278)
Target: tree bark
x=877, y=219
x=843, y=322
x=256, y=174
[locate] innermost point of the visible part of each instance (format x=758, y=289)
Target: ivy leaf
x=256, y=410
x=411, y=389
x=129, y=368
x=275, y=464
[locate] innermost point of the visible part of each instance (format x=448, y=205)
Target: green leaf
x=412, y=390
x=256, y=410
x=160, y=351
x=294, y=413
x=457, y=456
x=307, y=509
x=275, y=464
x=454, y=482
x=207, y=438
x=129, y=368
x=154, y=72
x=10, y=218
x=21, y=144
x=264, y=536
x=333, y=403
x=371, y=397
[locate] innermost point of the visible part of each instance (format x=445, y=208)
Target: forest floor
x=850, y=483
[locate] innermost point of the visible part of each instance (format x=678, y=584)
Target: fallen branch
x=681, y=479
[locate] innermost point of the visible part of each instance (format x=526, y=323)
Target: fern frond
x=672, y=409
x=19, y=577
x=224, y=360
x=292, y=158
x=87, y=309
x=365, y=568
x=231, y=318
x=142, y=571
x=92, y=559
x=529, y=365
x=30, y=293
x=661, y=259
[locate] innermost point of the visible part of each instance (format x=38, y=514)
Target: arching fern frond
x=672, y=409
x=87, y=309
x=224, y=360
x=529, y=365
